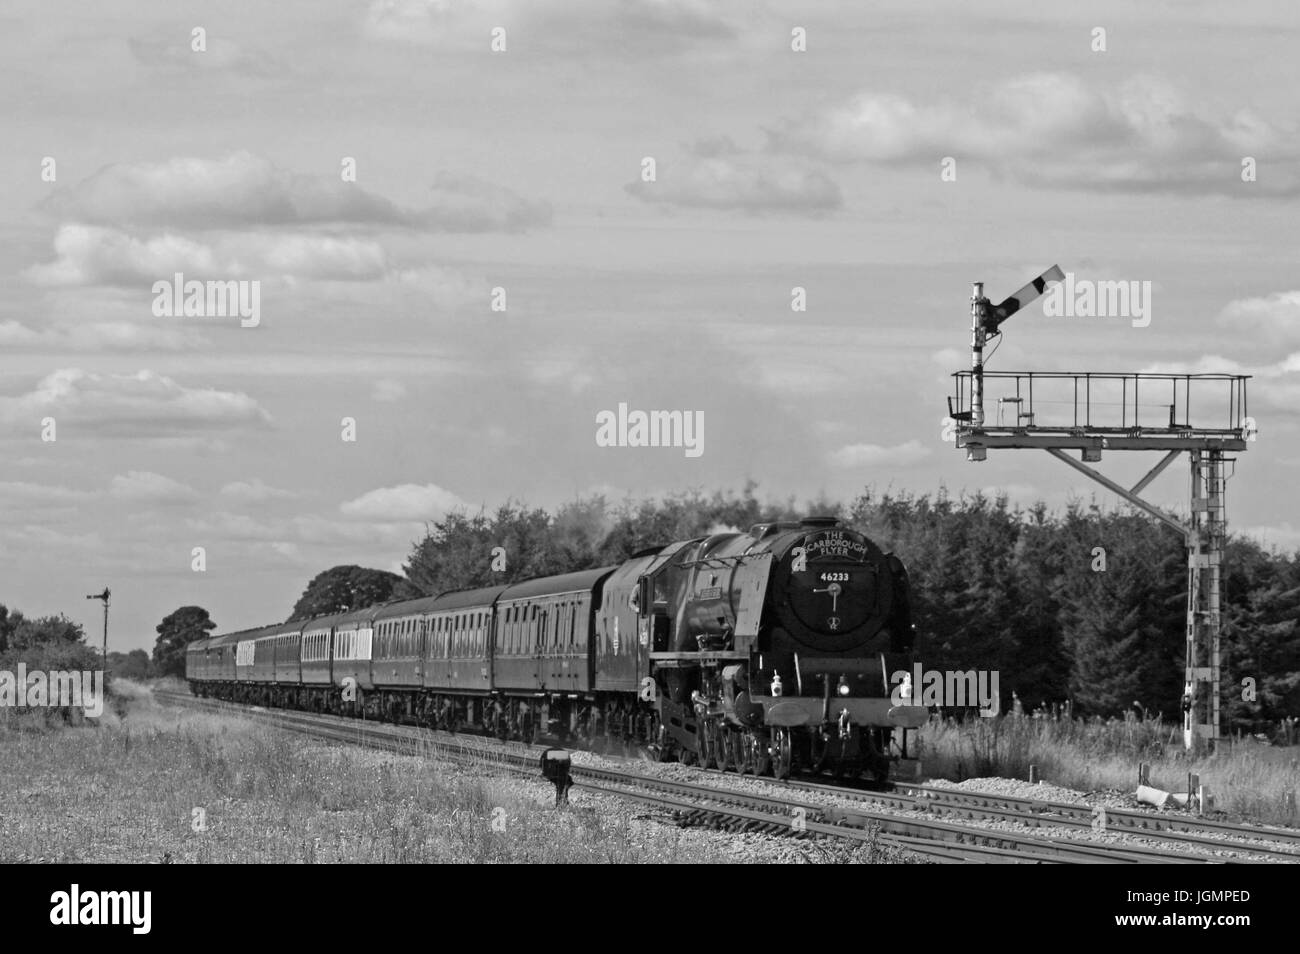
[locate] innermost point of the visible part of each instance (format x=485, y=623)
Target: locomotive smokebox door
x=556, y=765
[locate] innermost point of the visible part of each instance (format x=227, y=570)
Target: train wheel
x=709, y=745
x=782, y=752
x=741, y=756
x=725, y=761
x=759, y=755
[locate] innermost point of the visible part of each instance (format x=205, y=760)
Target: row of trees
x=44, y=642
x=1086, y=605
x=56, y=642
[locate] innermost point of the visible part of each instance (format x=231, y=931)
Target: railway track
x=728, y=808
x=1040, y=813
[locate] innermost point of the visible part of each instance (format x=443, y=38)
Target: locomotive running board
x=689, y=660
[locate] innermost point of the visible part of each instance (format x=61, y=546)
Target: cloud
x=403, y=502
x=94, y=255
x=876, y=455
x=144, y=486
x=443, y=287
x=88, y=255
x=100, y=336
x=592, y=26
x=467, y=204
x=27, y=499
x=386, y=389
x=746, y=185
x=254, y=491
x=1272, y=320
x=243, y=190
x=1057, y=130
x=144, y=404
x=1274, y=387
x=174, y=51
x=317, y=256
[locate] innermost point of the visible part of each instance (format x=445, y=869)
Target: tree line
x=1087, y=605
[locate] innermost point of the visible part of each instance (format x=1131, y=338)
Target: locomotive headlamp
x=844, y=685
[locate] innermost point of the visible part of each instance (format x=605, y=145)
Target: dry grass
x=134, y=789
x=134, y=793
x=1246, y=778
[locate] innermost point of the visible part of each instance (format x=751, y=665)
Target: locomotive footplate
x=807, y=710
x=691, y=660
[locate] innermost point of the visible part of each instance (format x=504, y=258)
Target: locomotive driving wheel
x=725, y=761
x=710, y=745
x=782, y=752
x=759, y=756
x=742, y=757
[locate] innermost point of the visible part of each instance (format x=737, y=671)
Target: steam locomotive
x=765, y=652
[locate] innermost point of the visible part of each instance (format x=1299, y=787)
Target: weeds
x=1254, y=781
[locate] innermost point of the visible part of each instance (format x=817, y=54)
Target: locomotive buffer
x=1077, y=411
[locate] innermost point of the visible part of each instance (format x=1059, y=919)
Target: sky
x=461, y=249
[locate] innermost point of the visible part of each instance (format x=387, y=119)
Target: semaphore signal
x=1076, y=411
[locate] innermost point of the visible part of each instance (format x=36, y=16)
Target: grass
x=1246, y=778
x=162, y=785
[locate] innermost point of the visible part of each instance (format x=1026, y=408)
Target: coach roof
x=415, y=607
x=567, y=583
x=460, y=599
x=243, y=634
